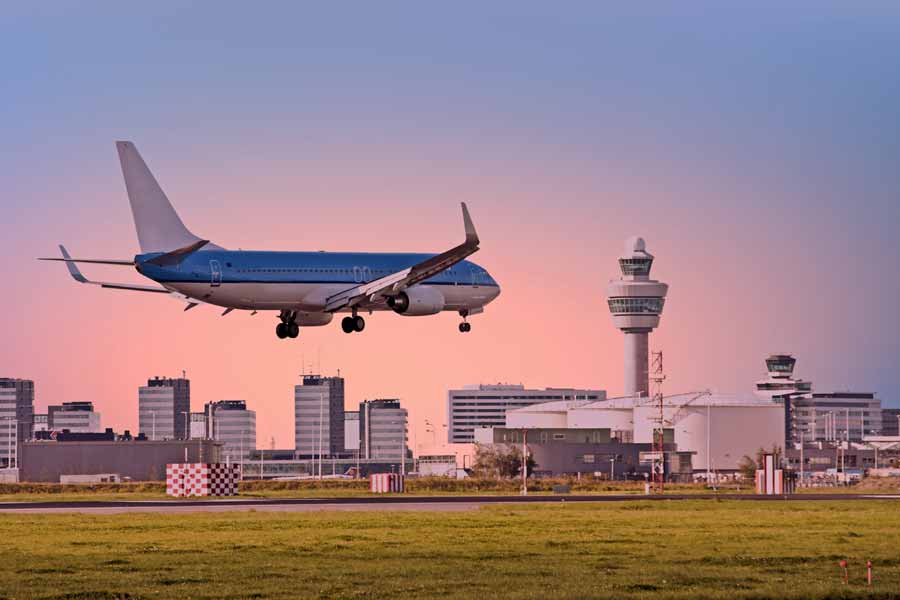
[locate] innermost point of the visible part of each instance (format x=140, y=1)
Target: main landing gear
x=465, y=326
x=288, y=327
x=354, y=323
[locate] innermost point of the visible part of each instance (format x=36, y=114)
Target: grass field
x=679, y=549
x=328, y=488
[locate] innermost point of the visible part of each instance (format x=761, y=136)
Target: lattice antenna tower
x=659, y=463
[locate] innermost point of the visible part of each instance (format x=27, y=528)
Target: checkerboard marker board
x=202, y=479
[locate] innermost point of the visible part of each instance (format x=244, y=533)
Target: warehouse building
x=136, y=459
x=716, y=429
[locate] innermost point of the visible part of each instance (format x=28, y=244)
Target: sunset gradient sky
x=756, y=150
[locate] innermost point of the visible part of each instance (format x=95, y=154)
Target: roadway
x=384, y=503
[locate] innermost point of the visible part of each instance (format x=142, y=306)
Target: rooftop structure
x=636, y=302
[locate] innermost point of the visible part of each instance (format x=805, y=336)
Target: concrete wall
x=141, y=461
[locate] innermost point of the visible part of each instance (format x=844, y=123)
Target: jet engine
x=417, y=301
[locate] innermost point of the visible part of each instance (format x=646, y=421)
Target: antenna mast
x=659, y=458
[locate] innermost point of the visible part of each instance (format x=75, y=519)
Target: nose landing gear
x=288, y=327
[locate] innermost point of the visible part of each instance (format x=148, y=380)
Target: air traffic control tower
x=636, y=301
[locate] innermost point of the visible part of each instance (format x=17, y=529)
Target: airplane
x=305, y=288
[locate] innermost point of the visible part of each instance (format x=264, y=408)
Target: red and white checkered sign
x=202, y=479
x=383, y=483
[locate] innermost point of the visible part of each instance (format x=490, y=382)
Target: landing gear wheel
x=293, y=330
x=358, y=324
x=465, y=327
x=348, y=325
x=281, y=330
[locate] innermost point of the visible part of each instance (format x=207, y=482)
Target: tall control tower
x=636, y=301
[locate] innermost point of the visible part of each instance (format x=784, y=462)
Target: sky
x=754, y=148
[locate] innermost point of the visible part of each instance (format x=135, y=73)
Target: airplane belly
x=261, y=296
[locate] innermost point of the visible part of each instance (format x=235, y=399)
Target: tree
x=500, y=461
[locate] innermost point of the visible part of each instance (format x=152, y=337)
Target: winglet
x=471, y=235
x=73, y=268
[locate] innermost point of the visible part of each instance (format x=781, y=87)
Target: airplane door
x=215, y=273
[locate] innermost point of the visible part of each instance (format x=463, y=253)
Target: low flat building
x=562, y=451
x=138, y=460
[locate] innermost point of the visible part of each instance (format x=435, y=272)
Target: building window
x=559, y=436
x=589, y=459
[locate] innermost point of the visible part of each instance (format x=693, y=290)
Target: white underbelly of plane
x=309, y=297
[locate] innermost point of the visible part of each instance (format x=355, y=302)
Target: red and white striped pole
x=869, y=572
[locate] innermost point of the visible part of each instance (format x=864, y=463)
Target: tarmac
x=384, y=503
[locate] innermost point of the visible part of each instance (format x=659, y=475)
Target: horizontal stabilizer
x=95, y=261
x=77, y=276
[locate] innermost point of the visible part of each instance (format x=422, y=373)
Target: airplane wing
x=77, y=276
x=396, y=282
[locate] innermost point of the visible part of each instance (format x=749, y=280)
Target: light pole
x=321, y=423
x=612, y=468
x=154, y=425
x=243, y=433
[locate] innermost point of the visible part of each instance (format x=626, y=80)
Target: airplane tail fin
x=159, y=229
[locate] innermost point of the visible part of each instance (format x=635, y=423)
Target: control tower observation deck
x=636, y=301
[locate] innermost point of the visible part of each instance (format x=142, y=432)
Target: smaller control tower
x=636, y=301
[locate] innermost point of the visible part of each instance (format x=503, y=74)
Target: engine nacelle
x=314, y=319
x=417, y=301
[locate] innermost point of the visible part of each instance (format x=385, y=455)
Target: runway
x=384, y=503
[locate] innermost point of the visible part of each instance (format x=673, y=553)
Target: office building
x=77, y=417
x=319, y=416
x=477, y=406
x=818, y=416
x=233, y=425
x=351, y=431
x=890, y=421
x=16, y=418
x=636, y=302
x=162, y=408
x=383, y=430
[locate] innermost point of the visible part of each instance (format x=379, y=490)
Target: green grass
x=440, y=486
x=679, y=549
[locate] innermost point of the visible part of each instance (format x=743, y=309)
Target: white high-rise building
x=636, y=301
x=235, y=426
x=162, y=406
x=383, y=430
x=477, y=406
x=319, y=416
x=16, y=418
